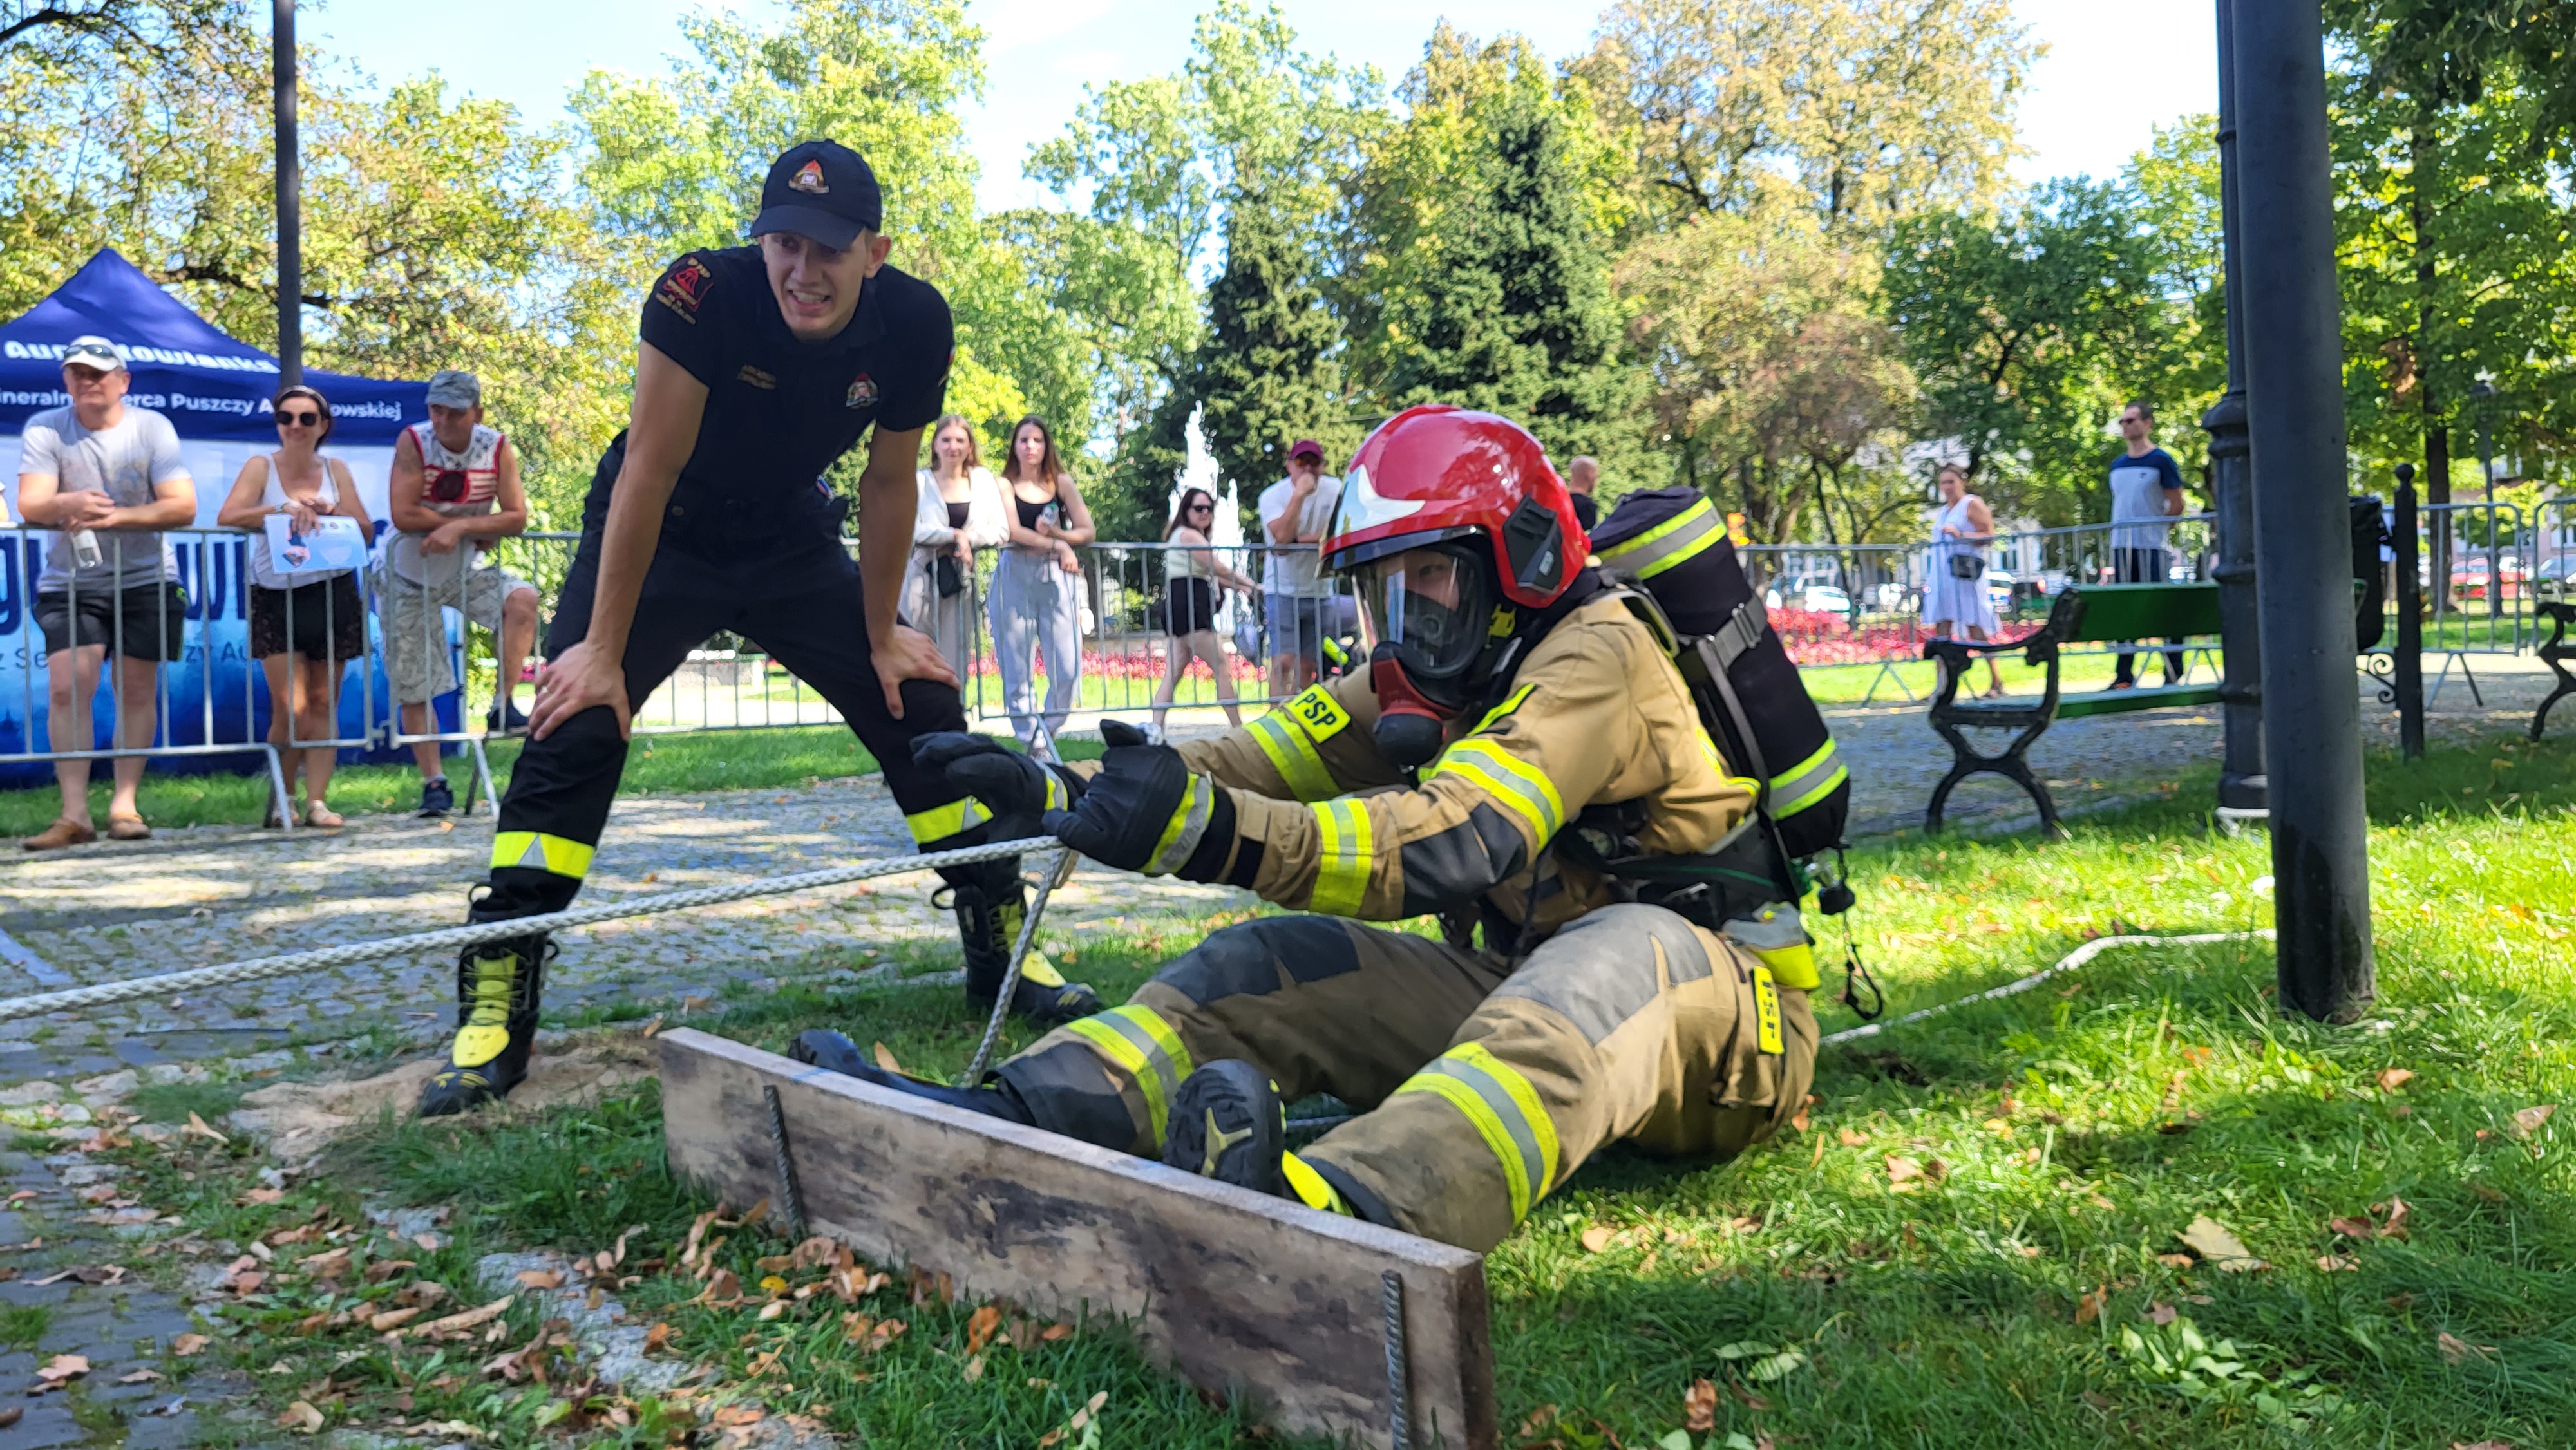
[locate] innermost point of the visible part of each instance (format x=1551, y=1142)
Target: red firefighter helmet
x=1449, y=520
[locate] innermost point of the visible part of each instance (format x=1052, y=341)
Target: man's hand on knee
x=1017, y=790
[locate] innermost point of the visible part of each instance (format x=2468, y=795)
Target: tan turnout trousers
x=1478, y=1089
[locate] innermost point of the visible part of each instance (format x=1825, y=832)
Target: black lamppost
x=2231, y=486
x=2293, y=348
x=290, y=200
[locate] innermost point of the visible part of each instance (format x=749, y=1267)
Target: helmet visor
x=1435, y=604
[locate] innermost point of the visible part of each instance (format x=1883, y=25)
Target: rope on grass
x=456, y=938
x=2065, y=964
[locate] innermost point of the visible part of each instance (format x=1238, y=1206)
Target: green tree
x=1506, y=304
x=1867, y=110
x=1264, y=375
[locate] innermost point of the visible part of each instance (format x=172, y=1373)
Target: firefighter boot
x=989, y=915
x=1228, y=1124
x=497, y=989
x=833, y=1052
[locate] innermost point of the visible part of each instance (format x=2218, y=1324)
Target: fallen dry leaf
x=885, y=1055
x=2089, y=1306
x=1699, y=1406
x=10, y=1416
x=247, y=1281
x=2219, y=1248
x=974, y=1369
x=2176, y=1261
x=139, y=1377
x=2337, y=1264
x=2527, y=1121
x=1850, y=1139
x=197, y=1125
x=2394, y=1225
x=2482, y=1445
x=469, y=1319
x=541, y=1278
x=2393, y=1078
x=2456, y=1349
x=392, y=1319
x=2162, y=1313
x=980, y=1328
x=188, y=1344
x=1055, y=1332
x=1598, y=1237
x=300, y=1417
x=2353, y=1228
x=62, y=1368
x=1799, y=1119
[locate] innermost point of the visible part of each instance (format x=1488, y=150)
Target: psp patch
x=683, y=288
x=809, y=178
x=863, y=392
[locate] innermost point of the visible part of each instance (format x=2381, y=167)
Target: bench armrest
x=1955, y=655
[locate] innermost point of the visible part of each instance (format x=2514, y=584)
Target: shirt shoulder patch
x=757, y=378
x=684, y=287
x=1318, y=713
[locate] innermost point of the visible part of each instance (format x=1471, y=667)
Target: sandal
x=1994, y=692
x=322, y=817
x=63, y=832
x=127, y=828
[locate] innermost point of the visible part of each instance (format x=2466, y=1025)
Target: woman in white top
x=1956, y=595
x=960, y=511
x=1191, y=577
x=1036, y=606
x=312, y=619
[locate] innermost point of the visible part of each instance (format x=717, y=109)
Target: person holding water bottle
x=110, y=479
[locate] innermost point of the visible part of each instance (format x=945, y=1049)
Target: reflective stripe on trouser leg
x=1106, y=1079
x=1629, y=1024
x=541, y=852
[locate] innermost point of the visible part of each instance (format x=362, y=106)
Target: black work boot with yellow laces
x=497, y=990
x=988, y=923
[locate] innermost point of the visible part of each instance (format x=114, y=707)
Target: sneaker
x=821, y=1047
x=436, y=799
x=515, y=724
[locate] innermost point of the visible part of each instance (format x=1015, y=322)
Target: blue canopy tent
x=215, y=390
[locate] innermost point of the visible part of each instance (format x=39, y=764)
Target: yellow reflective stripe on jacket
x=1512, y=781
x=1182, y=832
x=940, y=822
x=1506, y=1112
x=1289, y=735
x=1669, y=543
x=1503, y=711
x=543, y=852
x=1139, y=1040
x=1807, y=782
x=1342, y=871
x=1766, y=1012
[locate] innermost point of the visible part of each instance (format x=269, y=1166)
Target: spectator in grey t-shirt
x=108, y=477
x=2146, y=489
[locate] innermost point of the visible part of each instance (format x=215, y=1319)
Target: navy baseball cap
x=822, y=190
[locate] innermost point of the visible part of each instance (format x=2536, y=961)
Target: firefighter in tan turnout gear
x=1512, y=692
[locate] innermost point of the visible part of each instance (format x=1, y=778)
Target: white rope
x=2065, y=964
x=457, y=938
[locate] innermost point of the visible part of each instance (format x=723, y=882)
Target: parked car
x=2469, y=575
x=1809, y=595
x=2555, y=580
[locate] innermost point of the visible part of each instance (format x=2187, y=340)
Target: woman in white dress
x=960, y=511
x=1955, y=599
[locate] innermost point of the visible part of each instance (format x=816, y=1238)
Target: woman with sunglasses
x=1191, y=577
x=304, y=627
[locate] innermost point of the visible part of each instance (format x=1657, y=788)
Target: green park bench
x=2559, y=614
x=2087, y=614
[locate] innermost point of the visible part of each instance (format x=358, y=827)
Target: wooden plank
x=1233, y=1290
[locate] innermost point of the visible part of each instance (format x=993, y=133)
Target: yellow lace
x=493, y=979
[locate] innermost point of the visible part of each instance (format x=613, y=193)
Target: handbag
x=1966, y=566
x=947, y=577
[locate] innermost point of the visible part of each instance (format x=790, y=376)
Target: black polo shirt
x=780, y=410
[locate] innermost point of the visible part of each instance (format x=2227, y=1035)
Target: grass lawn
x=656, y=764
x=1974, y=1241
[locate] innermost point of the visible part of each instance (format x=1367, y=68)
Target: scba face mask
x=1427, y=617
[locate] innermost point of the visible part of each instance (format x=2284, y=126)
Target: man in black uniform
x=760, y=365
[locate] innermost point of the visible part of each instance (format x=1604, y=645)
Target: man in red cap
x=1295, y=596
x=758, y=367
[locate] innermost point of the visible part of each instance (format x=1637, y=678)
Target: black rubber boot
x=989, y=915
x=1228, y=1123
x=498, y=991
x=832, y=1052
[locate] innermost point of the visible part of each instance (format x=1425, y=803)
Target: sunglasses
x=1200, y=508
x=298, y=420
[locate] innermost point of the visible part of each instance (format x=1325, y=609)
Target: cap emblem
x=809, y=177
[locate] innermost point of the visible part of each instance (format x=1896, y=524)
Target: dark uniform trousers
x=1480, y=1087
x=783, y=583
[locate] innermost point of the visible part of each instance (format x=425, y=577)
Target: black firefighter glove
x=1146, y=811
x=1017, y=790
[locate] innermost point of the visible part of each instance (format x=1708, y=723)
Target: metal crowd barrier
x=207, y=702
